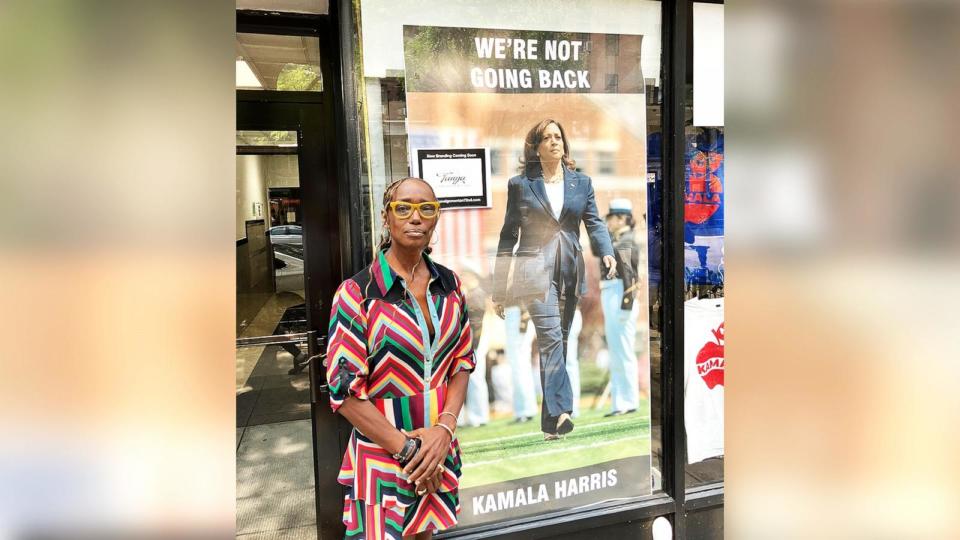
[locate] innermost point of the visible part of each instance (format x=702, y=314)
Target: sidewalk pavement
x=275, y=487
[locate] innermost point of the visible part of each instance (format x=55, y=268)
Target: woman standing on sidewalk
x=399, y=358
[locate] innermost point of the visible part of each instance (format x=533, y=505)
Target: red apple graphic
x=710, y=360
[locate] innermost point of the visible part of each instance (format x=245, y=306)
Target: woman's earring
x=384, y=235
x=433, y=237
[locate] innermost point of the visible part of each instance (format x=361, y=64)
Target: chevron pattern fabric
x=436, y=511
x=379, y=350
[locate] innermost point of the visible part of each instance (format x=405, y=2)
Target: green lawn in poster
x=505, y=451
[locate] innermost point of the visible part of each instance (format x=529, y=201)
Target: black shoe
x=564, y=424
x=614, y=413
x=628, y=411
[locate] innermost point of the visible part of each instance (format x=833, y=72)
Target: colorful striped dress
x=380, y=349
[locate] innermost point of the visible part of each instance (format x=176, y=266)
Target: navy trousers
x=552, y=318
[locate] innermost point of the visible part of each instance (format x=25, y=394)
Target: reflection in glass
x=654, y=230
x=279, y=139
x=270, y=280
x=269, y=239
x=276, y=62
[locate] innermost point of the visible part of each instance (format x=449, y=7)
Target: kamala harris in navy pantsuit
x=542, y=222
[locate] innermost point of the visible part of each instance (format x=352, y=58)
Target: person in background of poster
x=518, y=349
x=478, y=397
x=545, y=205
x=398, y=362
x=620, y=310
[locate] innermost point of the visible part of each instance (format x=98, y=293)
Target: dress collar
x=387, y=279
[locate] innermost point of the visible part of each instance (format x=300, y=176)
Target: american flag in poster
x=460, y=242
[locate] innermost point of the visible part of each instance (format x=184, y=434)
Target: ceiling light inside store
x=245, y=76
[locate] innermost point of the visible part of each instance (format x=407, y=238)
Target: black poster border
x=445, y=202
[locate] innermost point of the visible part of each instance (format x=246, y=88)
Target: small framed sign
x=458, y=176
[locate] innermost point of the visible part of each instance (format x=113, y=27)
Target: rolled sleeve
x=463, y=354
x=347, y=363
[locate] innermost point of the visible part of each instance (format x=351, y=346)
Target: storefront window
x=450, y=92
x=704, y=253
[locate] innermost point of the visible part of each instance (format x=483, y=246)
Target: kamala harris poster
x=536, y=143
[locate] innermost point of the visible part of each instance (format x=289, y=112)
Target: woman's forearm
x=456, y=395
x=368, y=420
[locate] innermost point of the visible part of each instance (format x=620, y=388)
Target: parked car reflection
x=286, y=234
x=288, y=267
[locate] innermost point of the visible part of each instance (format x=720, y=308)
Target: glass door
x=271, y=326
x=288, y=265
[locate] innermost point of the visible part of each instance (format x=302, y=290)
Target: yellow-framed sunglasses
x=403, y=210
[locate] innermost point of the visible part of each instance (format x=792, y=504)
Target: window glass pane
x=606, y=163
x=444, y=100
x=270, y=299
x=276, y=62
x=269, y=247
x=279, y=139
x=703, y=261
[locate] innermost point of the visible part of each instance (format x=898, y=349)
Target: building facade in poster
x=474, y=97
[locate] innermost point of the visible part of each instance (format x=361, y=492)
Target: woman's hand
x=431, y=483
x=434, y=447
x=611, y=265
x=499, y=309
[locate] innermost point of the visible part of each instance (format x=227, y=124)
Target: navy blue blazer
x=544, y=241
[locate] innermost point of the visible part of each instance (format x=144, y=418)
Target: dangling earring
x=384, y=236
x=433, y=237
